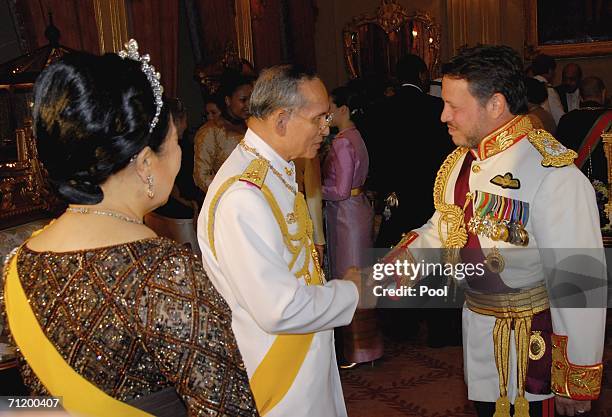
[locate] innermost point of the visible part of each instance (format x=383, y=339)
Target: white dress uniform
x=559, y=211
x=252, y=272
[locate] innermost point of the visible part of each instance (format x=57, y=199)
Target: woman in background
x=215, y=140
x=106, y=314
x=349, y=218
x=212, y=108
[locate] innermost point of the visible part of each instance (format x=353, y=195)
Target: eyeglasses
x=326, y=118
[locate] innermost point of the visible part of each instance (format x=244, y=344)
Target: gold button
x=476, y=169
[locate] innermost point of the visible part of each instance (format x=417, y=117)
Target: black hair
x=409, y=68
x=491, y=69
x=351, y=98
x=537, y=92
x=231, y=81
x=215, y=99
x=91, y=115
x=542, y=64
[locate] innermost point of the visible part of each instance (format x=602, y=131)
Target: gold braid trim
x=295, y=242
x=554, y=153
x=511, y=311
x=577, y=382
x=450, y=214
x=211, y=211
x=504, y=137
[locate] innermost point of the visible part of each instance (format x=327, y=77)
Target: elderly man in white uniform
x=505, y=198
x=256, y=239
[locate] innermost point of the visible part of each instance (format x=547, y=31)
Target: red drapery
x=75, y=20
x=302, y=15
x=265, y=24
x=154, y=24
x=218, y=26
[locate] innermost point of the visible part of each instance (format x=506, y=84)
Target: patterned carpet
x=416, y=381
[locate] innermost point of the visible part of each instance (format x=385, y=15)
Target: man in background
x=568, y=89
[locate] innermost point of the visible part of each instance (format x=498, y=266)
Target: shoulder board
x=256, y=172
x=554, y=153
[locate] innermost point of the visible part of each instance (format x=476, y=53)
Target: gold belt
x=511, y=311
x=356, y=191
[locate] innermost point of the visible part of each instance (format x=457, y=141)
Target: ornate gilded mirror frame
x=392, y=18
x=23, y=192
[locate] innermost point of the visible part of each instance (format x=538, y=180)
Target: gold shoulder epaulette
x=554, y=153
x=256, y=172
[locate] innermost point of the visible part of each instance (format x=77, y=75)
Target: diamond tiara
x=131, y=52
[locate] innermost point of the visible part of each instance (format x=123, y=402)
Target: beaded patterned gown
x=136, y=318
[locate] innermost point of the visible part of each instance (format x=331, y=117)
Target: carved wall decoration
x=373, y=43
x=24, y=194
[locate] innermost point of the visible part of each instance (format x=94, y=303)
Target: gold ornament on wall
x=391, y=32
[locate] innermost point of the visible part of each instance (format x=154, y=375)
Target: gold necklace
x=274, y=170
x=85, y=210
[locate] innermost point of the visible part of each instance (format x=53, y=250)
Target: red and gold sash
x=592, y=138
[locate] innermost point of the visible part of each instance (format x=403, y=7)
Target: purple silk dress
x=349, y=233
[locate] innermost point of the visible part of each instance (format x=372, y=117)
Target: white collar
x=287, y=169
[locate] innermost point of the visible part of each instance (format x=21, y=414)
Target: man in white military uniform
x=509, y=186
x=256, y=239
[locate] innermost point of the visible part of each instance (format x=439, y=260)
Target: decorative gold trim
x=537, y=346
x=573, y=381
x=244, y=32
x=111, y=20
x=450, y=214
x=554, y=153
x=390, y=16
x=511, y=311
x=495, y=261
x=504, y=137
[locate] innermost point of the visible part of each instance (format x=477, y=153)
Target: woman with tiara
x=106, y=315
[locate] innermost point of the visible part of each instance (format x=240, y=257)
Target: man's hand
x=569, y=407
x=320, y=251
x=367, y=299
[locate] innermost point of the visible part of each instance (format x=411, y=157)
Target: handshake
x=366, y=278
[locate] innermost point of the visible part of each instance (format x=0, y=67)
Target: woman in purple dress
x=349, y=217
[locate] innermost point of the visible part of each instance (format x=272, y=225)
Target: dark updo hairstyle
x=491, y=69
x=231, y=81
x=536, y=91
x=351, y=98
x=92, y=114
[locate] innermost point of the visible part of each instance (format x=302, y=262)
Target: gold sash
x=79, y=395
x=276, y=372
x=511, y=311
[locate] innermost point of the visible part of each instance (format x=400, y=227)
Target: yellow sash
x=279, y=368
x=79, y=395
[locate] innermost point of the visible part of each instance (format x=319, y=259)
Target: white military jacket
x=251, y=271
x=561, y=213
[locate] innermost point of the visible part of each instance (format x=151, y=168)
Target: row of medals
x=499, y=230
